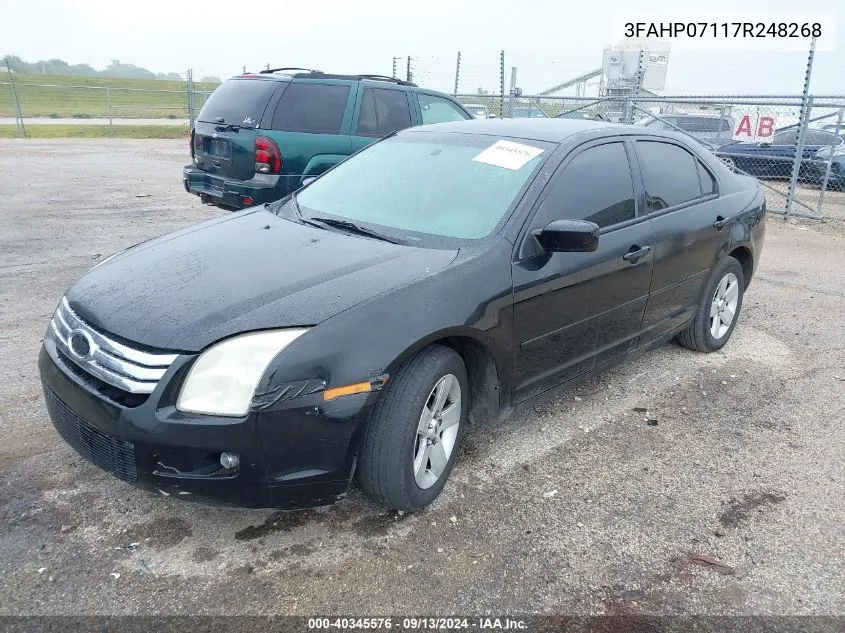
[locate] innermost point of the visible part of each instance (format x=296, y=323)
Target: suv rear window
x=238, y=101
x=309, y=107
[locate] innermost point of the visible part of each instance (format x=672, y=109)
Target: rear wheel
x=718, y=309
x=413, y=436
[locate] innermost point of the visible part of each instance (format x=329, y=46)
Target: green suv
x=260, y=135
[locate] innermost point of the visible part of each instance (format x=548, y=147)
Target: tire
x=393, y=448
x=703, y=334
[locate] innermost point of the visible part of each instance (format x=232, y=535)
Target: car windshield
x=458, y=186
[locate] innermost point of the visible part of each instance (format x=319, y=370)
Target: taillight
x=268, y=159
x=196, y=146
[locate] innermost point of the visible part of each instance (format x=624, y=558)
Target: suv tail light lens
x=268, y=159
x=196, y=145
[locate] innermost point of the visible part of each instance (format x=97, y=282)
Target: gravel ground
x=733, y=503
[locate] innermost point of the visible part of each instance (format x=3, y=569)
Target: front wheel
x=414, y=433
x=718, y=309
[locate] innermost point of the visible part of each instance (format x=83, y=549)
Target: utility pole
x=408, y=75
x=395, y=61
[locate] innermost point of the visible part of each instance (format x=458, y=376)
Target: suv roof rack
x=269, y=71
x=310, y=73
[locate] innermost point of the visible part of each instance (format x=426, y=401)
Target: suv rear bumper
x=236, y=194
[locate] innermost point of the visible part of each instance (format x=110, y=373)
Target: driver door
x=574, y=311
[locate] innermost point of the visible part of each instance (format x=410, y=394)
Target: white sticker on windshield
x=508, y=155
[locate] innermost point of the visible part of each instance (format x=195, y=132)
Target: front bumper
x=292, y=455
x=237, y=194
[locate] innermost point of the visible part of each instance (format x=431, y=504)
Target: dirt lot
x=733, y=503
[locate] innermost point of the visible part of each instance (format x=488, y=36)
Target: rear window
x=309, y=107
x=239, y=102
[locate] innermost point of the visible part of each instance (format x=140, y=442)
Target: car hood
x=251, y=270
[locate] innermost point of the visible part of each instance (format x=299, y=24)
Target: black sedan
x=447, y=275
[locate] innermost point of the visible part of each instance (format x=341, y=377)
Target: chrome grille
x=115, y=363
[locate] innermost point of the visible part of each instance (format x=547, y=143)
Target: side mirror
x=308, y=180
x=569, y=236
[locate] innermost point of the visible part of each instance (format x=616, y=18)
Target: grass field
x=98, y=131
x=88, y=97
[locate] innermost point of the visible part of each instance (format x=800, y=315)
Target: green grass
x=98, y=131
x=87, y=97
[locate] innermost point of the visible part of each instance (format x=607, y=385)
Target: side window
x=308, y=107
x=670, y=174
x=439, y=110
x=819, y=137
x=383, y=112
x=708, y=183
x=596, y=185
x=787, y=137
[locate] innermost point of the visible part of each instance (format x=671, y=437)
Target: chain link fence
x=99, y=101
x=795, y=145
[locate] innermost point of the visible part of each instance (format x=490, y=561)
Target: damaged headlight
x=223, y=379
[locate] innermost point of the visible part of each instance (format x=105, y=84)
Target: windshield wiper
x=351, y=227
x=222, y=126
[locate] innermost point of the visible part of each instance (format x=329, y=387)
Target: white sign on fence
x=754, y=127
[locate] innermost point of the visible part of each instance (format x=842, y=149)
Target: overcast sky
x=547, y=40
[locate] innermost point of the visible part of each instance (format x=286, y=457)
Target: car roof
x=550, y=130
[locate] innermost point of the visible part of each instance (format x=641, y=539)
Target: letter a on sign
x=743, y=131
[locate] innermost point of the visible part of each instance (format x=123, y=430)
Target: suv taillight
x=196, y=145
x=268, y=159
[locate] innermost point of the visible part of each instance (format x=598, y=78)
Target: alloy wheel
x=437, y=431
x=723, y=306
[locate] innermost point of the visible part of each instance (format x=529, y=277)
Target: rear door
x=379, y=111
x=225, y=130
x=311, y=124
x=573, y=311
x=691, y=230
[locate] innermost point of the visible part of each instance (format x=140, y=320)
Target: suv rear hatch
x=223, y=140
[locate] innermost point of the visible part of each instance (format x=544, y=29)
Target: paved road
x=731, y=504
x=98, y=121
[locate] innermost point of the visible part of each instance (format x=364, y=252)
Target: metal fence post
x=457, y=72
x=502, y=84
x=108, y=104
x=512, y=92
x=15, y=102
x=806, y=107
x=191, y=113
x=830, y=161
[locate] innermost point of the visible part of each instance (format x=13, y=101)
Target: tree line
x=115, y=69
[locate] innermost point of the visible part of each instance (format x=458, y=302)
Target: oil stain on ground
x=162, y=533
x=740, y=510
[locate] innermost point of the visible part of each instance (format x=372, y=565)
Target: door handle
x=636, y=254
x=720, y=222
